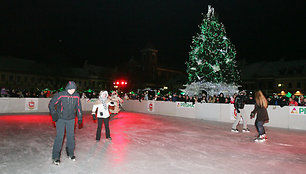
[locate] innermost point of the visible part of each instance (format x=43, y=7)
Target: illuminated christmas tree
x=212, y=55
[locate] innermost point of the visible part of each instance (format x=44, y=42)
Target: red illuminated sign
x=120, y=82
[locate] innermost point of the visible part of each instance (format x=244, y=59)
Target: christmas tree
x=212, y=55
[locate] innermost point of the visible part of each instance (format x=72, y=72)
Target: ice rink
x=149, y=144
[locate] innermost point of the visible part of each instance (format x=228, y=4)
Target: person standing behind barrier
x=304, y=102
x=292, y=102
x=262, y=115
x=240, y=101
x=117, y=101
x=68, y=105
x=100, y=109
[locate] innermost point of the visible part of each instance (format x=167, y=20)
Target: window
x=3, y=77
x=270, y=85
x=11, y=77
x=298, y=84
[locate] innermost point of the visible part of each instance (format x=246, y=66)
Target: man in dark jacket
x=64, y=106
x=240, y=101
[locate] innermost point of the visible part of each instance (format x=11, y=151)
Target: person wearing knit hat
x=101, y=110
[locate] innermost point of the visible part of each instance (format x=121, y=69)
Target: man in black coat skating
x=64, y=106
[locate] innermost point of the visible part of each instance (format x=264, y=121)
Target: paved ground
x=151, y=144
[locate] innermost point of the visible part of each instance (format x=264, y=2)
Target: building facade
x=27, y=74
x=275, y=77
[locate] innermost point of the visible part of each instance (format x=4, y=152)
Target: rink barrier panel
x=279, y=116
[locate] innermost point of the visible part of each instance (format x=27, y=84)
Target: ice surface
x=150, y=144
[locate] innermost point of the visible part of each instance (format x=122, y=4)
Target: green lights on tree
x=212, y=55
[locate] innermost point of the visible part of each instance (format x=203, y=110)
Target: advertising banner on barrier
x=184, y=105
x=297, y=110
x=151, y=105
x=233, y=113
x=31, y=104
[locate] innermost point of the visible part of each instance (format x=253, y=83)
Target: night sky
x=111, y=32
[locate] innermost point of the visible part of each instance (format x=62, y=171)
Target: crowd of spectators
x=24, y=93
x=158, y=96
x=221, y=98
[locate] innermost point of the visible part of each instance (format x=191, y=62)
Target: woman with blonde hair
x=260, y=109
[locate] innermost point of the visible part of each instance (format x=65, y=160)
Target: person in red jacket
x=260, y=109
x=292, y=102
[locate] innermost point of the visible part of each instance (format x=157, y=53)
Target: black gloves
x=80, y=124
x=238, y=111
x=252, y=115
x=54, y=117
x=93, y=116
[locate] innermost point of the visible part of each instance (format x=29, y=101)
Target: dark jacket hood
x=71, y=85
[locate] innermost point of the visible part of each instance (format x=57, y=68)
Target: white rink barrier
x=282, y=117
x=28, y=105
x=285, y=117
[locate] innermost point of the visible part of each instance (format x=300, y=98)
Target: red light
x=122, y=83
x=114, y=83
x=117, y=83
x=125, y=83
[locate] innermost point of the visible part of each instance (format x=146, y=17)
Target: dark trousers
x=259, y=127
x=106, y=124
x=60, y=132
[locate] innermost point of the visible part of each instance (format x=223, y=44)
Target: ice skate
x=72, y=158
x=235, y=130
x=261, y=138
x=246, y=130
x=56, y=162
x=264, y=137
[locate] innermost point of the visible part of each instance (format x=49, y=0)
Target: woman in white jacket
x=100, y=109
